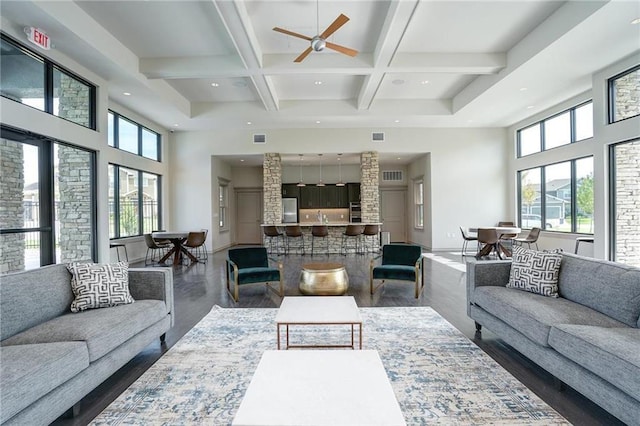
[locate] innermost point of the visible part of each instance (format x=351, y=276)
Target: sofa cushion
x=102, y=329
x=99, y=285
x=533, y=315
x=611, y=353
x=607, y=287
x=28, y=372
x=535, y=271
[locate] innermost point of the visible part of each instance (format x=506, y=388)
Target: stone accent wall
x=12, y=246
x=628, y=203
x=74, y=100
x=272, y=188
x=369, y=182
x=627, y=95
x=74, y=206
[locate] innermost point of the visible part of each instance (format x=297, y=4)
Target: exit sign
x=37, y=36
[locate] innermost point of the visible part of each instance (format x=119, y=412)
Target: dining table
x=178, y=250
x=500, y=248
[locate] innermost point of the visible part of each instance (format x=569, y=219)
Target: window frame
x=48, y=68
x=116, y=136
x=140, y=201
x=418, y=203
x=611, y=95
x=223, y=204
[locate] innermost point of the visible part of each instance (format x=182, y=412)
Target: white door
x=393, y=208
x=248, y=217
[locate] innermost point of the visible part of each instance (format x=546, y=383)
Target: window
x=223, y=200
x=48, y=198
x=625, y=205
x=35, y=81
x=130, y=136
x=567, y=205
x=569, y=126
x=418, y=201
x=624, y=95
x=134, y=202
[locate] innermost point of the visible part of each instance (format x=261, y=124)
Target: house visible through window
x=418, y=197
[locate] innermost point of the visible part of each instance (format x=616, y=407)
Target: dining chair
x=466, y=237
x=195, y=244
x=272, y=233
x=507, y=237
x=532, y=238
x=161, y=240
x=250, y=265
x=294, y=232
x=154, y=247
x=371, y=233
x=322, y=232
x=353, y=233
x=401, y=262
x=488, y=238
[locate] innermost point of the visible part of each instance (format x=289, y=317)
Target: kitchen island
x=336, y=231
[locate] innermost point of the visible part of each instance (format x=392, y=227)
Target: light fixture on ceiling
x=317, y=82
x=126, y=93
x=635, y=21
x=424, y=82
x=340, y=182
x=215, y=84
x=320, y=182
x=300, y=182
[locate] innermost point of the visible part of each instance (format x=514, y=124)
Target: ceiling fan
x=319, y=42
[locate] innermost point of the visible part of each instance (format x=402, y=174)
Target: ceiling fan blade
x=341, y=49
x=291, y=33
x=303, y=55
x=340, y=21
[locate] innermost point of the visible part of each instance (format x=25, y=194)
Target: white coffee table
x=319, y=310
x=319, y=388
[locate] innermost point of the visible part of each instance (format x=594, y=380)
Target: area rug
x=438, y=375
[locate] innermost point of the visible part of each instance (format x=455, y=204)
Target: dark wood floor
x=201, y=286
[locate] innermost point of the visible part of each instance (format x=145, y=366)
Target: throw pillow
x=535, y=271
x=99, y=285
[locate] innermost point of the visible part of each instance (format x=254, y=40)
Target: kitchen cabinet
x=310, y=197
x=353, y=190
x=290, y=190
x=324, y=197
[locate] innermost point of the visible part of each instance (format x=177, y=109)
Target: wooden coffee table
x=319, y=388
x=319, y=310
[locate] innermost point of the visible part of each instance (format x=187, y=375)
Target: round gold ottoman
x=324, y=279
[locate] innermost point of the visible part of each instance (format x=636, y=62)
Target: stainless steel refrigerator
x=289, y=210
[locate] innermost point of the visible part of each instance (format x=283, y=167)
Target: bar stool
x=118, y=246
x=294, y=232
x=371, y=231
x=353, y=232
x=271, y=232
x=322, y=232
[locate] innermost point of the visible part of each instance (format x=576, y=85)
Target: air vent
x=259, y=138
x=392, y=176
x=377, y=136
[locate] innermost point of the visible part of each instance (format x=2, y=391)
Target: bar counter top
x=318, y=223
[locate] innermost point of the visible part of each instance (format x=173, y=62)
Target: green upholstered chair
x=399, y=262
x=250, y=265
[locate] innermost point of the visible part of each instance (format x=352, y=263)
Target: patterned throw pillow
x=99, y=285
x=535, y=271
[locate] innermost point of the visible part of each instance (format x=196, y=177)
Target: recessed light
x=126, y=93
x=175, y=125
x=317, y=82
x=398, y=158
x=215, y=84
x=635, y=21
x=396, y=121
x=424, y=82
x=248, y=122
x=530, y=107
x=523, y=89
x=398, y=81
x=317, y=121
x=241, y=160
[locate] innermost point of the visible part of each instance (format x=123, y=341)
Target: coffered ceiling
x=195, y=65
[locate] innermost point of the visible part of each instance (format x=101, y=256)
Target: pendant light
x=301, y=183
x=340, y=182
x=320, y=183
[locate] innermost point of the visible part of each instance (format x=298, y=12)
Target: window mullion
x=140, y=203
x=543, y=198
x=116, y=197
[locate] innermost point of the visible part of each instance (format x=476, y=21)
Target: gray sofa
x=588, y=337
x=51, y=358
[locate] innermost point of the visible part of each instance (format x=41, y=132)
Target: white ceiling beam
x=238, y=25
x=457, y=63
x=193, y=67
x=398, y=18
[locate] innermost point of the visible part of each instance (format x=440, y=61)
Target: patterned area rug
x=438, y=375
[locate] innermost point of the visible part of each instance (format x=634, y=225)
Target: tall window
x=625, y=205
x=624, y=95
x=132, y=137
x=567, y=204
x=33, y=80
x=47, y=193
x=564, y=128
x=223, y=201
x=134, y=202
x=418, y=201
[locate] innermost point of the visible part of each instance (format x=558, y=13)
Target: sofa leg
x=72, y=412
x=163, y=337
x=559, y=385
x=478, y=326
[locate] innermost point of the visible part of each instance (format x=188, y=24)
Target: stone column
x=628, y=203
x=369, y=186
x=12, y=246
x=272, y=188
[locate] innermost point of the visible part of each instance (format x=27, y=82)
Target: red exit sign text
x=37, y=36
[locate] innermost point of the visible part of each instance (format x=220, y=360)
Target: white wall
x=467, y=167
x=604, y=135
